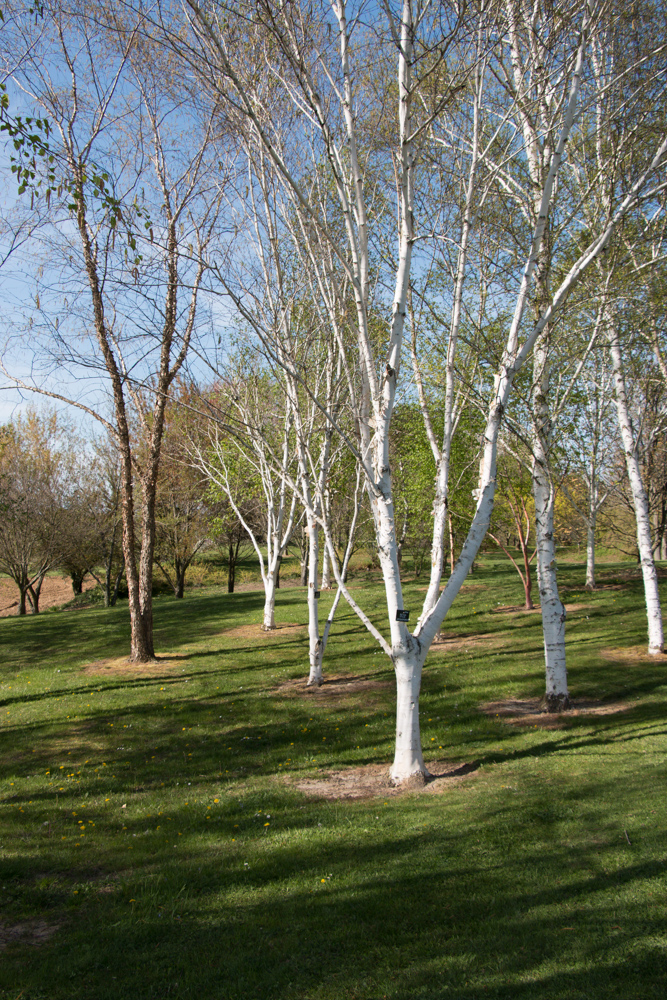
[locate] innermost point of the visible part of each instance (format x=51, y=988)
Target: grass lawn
x=153, y=842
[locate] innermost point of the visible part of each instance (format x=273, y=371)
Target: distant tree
x=248, y=453
x=105, y=560
x=513, y=519
x=413, y=472
x=182, y=518
x=590, y=443
x=37, y=455
x=227, y=529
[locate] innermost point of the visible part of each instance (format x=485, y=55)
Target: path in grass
x=155, y=843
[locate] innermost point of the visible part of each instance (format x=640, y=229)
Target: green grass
x=204, y=873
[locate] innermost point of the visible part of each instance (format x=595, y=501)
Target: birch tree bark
x=644, y=543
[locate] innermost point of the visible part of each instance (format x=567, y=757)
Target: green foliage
x=413, y=475
x=30, y=137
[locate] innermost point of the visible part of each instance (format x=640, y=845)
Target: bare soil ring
x=528, y=711
x=372, y=781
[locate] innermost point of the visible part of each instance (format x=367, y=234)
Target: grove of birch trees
x=393, y=273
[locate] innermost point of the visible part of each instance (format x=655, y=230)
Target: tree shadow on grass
x=104, y=632
x=485, y=907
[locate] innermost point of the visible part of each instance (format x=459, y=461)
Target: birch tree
x=533, y=70
x=251, y=438
x=315, y=54
x=619, y=154
x=276, y=294
x=646, y=278
x=629, y=439
x=591, y=439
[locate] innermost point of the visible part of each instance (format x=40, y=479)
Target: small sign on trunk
x=317, y=594
x=402, y=616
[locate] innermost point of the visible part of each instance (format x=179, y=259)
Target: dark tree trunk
x=233, y=549
x=77, y=577
x=140, y=603
x=139, y=599
x=527, y=580
x=231, y=569
x=527, y=588
x=139, y=578
x=34, y=590
x=116, y=587
x=109, y=601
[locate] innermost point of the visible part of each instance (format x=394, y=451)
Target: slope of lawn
x=153, y=843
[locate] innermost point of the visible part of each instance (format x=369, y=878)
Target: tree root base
x=417, y=780
x=139, y=659
x=555, y=703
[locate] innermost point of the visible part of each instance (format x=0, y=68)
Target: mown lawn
x=153, y=844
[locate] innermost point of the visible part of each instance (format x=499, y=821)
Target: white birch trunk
x=326, y=572
x=269, y=618
x=594, y=500
x=639, y=498
x=314, y=643
x=537, y=127
x=406, y=653
x=330, y=555
x=408, y=757
x=556, y=697
x=438, y=544
x=553, y=612
x=590, y=551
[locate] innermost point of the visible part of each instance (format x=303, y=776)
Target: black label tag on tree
x=317, y=594
x=402, y=616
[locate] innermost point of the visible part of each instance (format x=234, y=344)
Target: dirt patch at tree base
x=336, y=685
x=633, y=655
x=528, y=711
x=122, y=667
x=372, y=781
x=256, y=631
x=31, y=932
